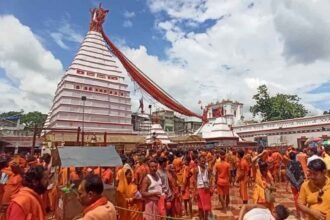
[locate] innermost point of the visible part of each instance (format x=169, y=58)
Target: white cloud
x=32, y=72
x=271, y=42
x=128, y=14
x=65, y=33
x=127, y=23
x=58, y=38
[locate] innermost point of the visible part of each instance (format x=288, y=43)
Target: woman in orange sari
x=263, y=182
x=131, y=196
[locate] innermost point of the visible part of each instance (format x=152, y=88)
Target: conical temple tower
x=93, y=94
x=157, y=132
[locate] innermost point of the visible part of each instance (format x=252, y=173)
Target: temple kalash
x=210, y=174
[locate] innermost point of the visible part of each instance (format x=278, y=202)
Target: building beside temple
x=191, y=126
x=14, y=136
x=291, y=132
x=170, y=122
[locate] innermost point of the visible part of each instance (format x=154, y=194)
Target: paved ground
x=282, y=197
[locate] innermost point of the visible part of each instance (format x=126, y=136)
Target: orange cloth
x=178, y=164
x=186, y=183
x=121, y=193
x=258, y=194
x=11, y=188
x=140, y=172
x=222, y=169
x=209, y=157
x=308, y=196
x=177, y=200
x=73, y=174
x=63, y=179
x=31, y=203
x=101, y=212
x=53, y=198
x=223, y=172
x=107, y=176
x=243, y=166
x=302, y=158
x=277, y=158
x=101, y=201
x=97, y=171
x=130, y=192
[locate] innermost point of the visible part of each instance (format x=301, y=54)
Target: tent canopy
x=89, y=156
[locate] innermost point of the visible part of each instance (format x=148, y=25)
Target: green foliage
x=11, y=113
x=32, y=119
x=277, y=107
x=29, y=119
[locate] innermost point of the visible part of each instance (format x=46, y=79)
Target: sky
x=195, y=50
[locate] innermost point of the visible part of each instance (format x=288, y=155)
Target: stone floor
x=283, y=196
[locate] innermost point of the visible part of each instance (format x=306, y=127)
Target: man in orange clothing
x=178, y=165
x=14, y=183
x=107, y=175
x=277, y=158
x=243, y=176
x=141, y=171
x=96, y=206
x=27, y=203
x=302, y=159
x=222, y=174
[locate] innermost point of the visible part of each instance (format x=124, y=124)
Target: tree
x=32, y=119
x=277, y=107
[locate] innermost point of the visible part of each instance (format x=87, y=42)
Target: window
x=96, y=90
x=85, y=88
x=80, y=72
x=90, y=74
x=102, y=76
x=122, y=94
x=110, y=92
x=101, y=90
x=77, y=87
x=90, y=88
x=105, y=91
x=115, y=93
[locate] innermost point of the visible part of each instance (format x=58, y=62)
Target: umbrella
x=312, y=139
x=327, y=142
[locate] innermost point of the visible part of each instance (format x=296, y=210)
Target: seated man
x=259, y=212
x=96, y=206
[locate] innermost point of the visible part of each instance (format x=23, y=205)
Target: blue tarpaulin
x=89, y=156
x=12, y=118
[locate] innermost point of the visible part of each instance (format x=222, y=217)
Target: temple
x=217, y=129
x=92, y=94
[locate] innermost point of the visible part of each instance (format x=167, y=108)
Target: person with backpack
x=296, y=177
